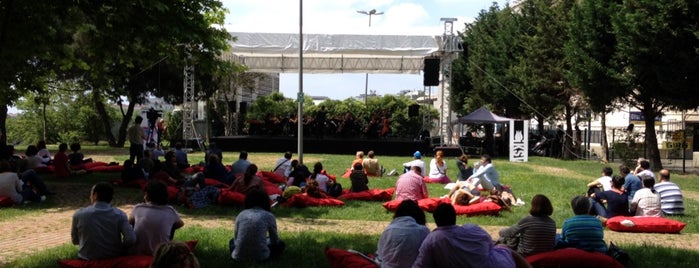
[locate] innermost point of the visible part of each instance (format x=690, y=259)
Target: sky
x=401, y=17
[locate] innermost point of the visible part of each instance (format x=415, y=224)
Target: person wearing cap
x=417, y=162
x=411, y=185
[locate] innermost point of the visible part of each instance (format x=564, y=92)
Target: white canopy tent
x=336, y=53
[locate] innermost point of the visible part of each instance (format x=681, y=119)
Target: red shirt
x=60, y=164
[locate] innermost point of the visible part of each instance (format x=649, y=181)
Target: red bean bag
x=188, y=170
x=135, y=261
x=6, y=201
x=645, y=225
x=114, y=168
x=573, y=257
x=93, y=164
x=271, y=177
x=369, y=195
x=230, y=198
x=347, y=173
x=137, y=183
x=484, y=208
x=272, y=188
x=340, y=258
x=427, y=204
x=46, y=169
x=172, y=193
x=303, y=200
x=215, y=182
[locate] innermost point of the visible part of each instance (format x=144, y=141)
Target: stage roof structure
x=336, y=53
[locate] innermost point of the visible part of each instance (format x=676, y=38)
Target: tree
x=590, y=52
x=658, y=44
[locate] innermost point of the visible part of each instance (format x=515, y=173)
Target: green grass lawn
x=559, y=180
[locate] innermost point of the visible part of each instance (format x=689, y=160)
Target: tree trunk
x=603, y=138
x=126, y=119
x=3, y=124
x=104, y=117
x=568, y=139
x=652, y=151
x=45, y=121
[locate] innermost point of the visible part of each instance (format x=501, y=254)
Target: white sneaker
x=392, y=172
x=519, y=202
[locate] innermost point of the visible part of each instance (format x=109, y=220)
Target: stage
x=328, y=145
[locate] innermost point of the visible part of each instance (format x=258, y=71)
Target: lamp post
x=370, y=13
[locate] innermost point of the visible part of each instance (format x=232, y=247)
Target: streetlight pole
x=366, y=75
x=300, y=95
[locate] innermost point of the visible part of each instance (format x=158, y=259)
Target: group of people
x=634, y=193
x=19, y=179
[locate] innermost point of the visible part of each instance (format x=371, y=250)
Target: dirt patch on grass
x=560, y=172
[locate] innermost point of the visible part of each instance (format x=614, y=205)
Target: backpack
x=335, y=190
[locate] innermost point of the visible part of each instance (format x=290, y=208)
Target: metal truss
x=329, y=64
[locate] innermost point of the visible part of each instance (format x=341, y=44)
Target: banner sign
x=519, y=141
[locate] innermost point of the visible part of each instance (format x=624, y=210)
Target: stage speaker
x=413, y=110
x=243, y=107
x=431, y=72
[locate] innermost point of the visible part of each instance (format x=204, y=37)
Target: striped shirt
x=645, y=203
x=584, y=232
x=670, y=198
x=536, y=234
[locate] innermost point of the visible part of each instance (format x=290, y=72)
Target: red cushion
x=230, y=198
x=430, y=204
x=484, y=208
x=115, y=168
x=392, y=205
x=347, y=173
x=6, y=201
x=303, y=200
x=46, y=169
x=369, y=195
x=442, y=180
x=135, y=261
x=93, y=164
x=172, y=193
x=192, y=244
x=271, y=188
x=271, y=177
x=188, y=170
x=340, y=258
x=572, y=257
x=646, y=225
x=215, y=182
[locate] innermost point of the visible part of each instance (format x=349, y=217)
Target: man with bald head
x=671, y=202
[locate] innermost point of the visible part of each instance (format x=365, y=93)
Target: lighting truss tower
x=449, y=49
x=188, y=107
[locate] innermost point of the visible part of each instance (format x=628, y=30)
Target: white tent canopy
x=322, y=53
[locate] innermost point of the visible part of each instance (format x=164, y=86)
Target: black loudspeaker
x=431, y=72
x=243, y=107
x=413, y=110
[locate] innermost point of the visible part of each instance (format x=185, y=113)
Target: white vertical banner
x=519, y=141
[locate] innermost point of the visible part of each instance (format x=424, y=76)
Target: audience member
x=154, y=221
x=136, y=137
x=411, y=185
x=488, y=177
x=535, y=233
x=156, y=151
x=631, y=182
x=359, y=158
x=465, y=170
x=400, y=242
x=215, y=169
x=464, y=193
x=248, y=181
x=256, y=237
x=359, y=179
x=147, y=164
x=604, y=182
x=323, y=180
x=213, y=150
x=469, y=245
x=643, y=167
x=99, y=230
x=30, y=160
x=175, y=176
x=77, y=158
x=10, y=184
x=616, y=200
x=416, y=162
x=371, y=165
x=582, y=231
x=43, y=153
x=671, y=201
x=240, y=165
x=61, y=165
x=131, y=172
x=181, y=156
x=298, y=175
x=438, y=169
x=174, y=254
x=646, y=202
x=283, y=165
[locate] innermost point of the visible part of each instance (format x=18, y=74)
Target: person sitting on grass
x=465, y=170
x=416, y=162
x=631, y=182
x=438, y=169
x=323, y=180
x=175, y=176
x=240, y=165
x=371, y=165
x=256, y=237
x=359, y=179
x=247, y=182
x=601, y=184
x=616, y=200
x=535, y=233
x=77, y=158
x=100, y=230
x=646, y=202
x=488, y=177
x=582, y=231
x=671, y=200
x=411, y=185
x=10, y=184
x=154, y=221
x=181, y=156
x=174, y=254
x=450, y=245
x=215, y=169
x=283, y=165
x=43, y=153
x=298, y=175
x=400, y=241
x=61, y=166
x=359, y=158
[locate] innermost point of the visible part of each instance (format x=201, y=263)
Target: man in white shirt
x=605, y=182
x=417, y=162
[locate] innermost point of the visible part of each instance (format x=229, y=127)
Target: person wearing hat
x=417, y=162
